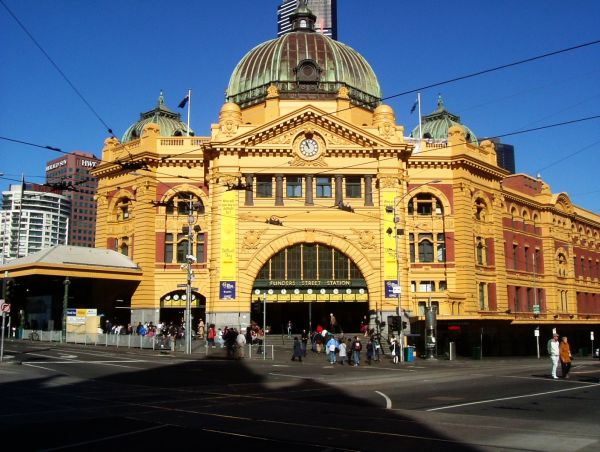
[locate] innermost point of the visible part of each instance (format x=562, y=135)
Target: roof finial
x=303, y=18
x=161, y=99
x=440, y=103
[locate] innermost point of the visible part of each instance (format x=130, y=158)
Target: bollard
x=452, y=351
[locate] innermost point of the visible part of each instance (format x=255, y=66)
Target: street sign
x=592, y=335
x=5, y=308
x=536, y=308
x=536, y=332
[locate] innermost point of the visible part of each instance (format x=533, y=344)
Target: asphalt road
x=55, y=397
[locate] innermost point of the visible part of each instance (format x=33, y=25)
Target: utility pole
x=66, y=283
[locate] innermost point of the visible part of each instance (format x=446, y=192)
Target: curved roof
x=435, y=126
x=77, y=255
x=170, y=123
x=303, y=64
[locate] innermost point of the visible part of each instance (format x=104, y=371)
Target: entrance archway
x=304, y=284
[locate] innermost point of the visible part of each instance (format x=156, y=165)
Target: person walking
x=343, y=353
x=395, y=349
x=333, y=326
x=565, y=357
x=240, y=344
x=553, y=348
x=289, y=329
x=201, y=329
x=304, y=338
x=211, y=335
x=370, y=351
x=297, y=350
x=332, y=346
x=356, y=348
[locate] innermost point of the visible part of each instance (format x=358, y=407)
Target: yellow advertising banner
x=228, y=251
x=390, y=265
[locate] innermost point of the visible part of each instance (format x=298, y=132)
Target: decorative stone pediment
x=335, y=132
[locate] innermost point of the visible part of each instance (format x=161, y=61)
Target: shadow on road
x=195, y=403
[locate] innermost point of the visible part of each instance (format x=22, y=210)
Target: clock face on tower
x=309, y=147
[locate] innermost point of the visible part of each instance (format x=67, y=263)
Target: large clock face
x=309, y=147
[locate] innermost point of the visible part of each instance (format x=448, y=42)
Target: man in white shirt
x=554, y=352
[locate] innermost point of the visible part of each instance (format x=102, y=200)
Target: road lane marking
x=104, y=438
x=388, y=401
x=511, y=398
x=295, y=376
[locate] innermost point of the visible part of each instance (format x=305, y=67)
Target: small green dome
x=170, y=123
x=303, y=64
x=435, y=126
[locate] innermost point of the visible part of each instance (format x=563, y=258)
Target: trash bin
x=452, y=351
x=476, y=352
x=409, y=354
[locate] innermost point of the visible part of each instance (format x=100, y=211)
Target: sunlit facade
x=309, y=198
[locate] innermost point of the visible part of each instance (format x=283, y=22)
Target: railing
x=160, y=343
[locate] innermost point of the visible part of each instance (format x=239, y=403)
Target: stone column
x=309, y=190
x=249, y=201
x=279, y=189
x=339, y=198
x=368, y=190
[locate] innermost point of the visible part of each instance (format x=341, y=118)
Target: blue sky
x=121, y=53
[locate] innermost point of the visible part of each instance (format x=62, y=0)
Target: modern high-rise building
x=324, y=10
x=70, y=175
x=33, y=217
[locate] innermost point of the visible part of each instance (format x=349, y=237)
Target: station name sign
x=310, y=283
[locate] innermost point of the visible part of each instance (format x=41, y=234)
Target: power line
x=64, y=76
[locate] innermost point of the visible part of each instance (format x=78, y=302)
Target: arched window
x=311, y=262
x=425, y=204
x=123, y=209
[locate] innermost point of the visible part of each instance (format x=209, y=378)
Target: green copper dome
x=303, y=64
x=435, y=126
x=170, y=123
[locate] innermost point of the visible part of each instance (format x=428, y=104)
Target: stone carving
x=318, y=162
x=366, y=238
x=229, y=128
x=387, y=129
x=251, y=239
x=272, y=91
x=388, y=182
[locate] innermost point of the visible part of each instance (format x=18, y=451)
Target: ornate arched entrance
x=307, y=282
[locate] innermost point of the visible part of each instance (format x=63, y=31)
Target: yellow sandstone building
x=308, y=193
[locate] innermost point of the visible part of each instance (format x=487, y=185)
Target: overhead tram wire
x=270, y=170
x=473, y=74
x=64, y=76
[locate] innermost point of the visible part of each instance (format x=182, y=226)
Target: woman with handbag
x=565, y=357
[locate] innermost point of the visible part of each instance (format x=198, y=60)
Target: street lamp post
x=66, y=283
x=190, y=259
x=395, y=211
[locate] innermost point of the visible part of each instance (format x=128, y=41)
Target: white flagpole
x=20, y=215
x=189, y=108
x=420, y=127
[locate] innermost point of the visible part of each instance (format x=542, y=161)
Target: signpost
x=5, y=308
x=536, y=333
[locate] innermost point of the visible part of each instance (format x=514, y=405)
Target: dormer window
x=308, y=72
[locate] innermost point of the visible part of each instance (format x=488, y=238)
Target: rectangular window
x=482, y=300
x=293, y=262
x=323, y=187
x=529, y=299
x=515, y=256
x=168, y=248
x=422, y=306
x=264, y=187
x=353, y=187
x=517, y=299
x=341, y=265
x=526, y=258
x=411, y=238
x=427, y=286
x=294, y=186
x=443, y=286
x=200, y=248
x=309, y=261
x=413, y=286
x=182, y=248
x=441, y=247
x=426, y=247
x=325, y=263
x=278, y=266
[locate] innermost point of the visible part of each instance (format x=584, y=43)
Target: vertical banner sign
x=228, y=252
x=390, y=265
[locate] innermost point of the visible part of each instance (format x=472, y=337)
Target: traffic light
x=9, y=289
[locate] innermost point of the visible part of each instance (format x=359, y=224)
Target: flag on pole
x=414, y=107
x=184, y=101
